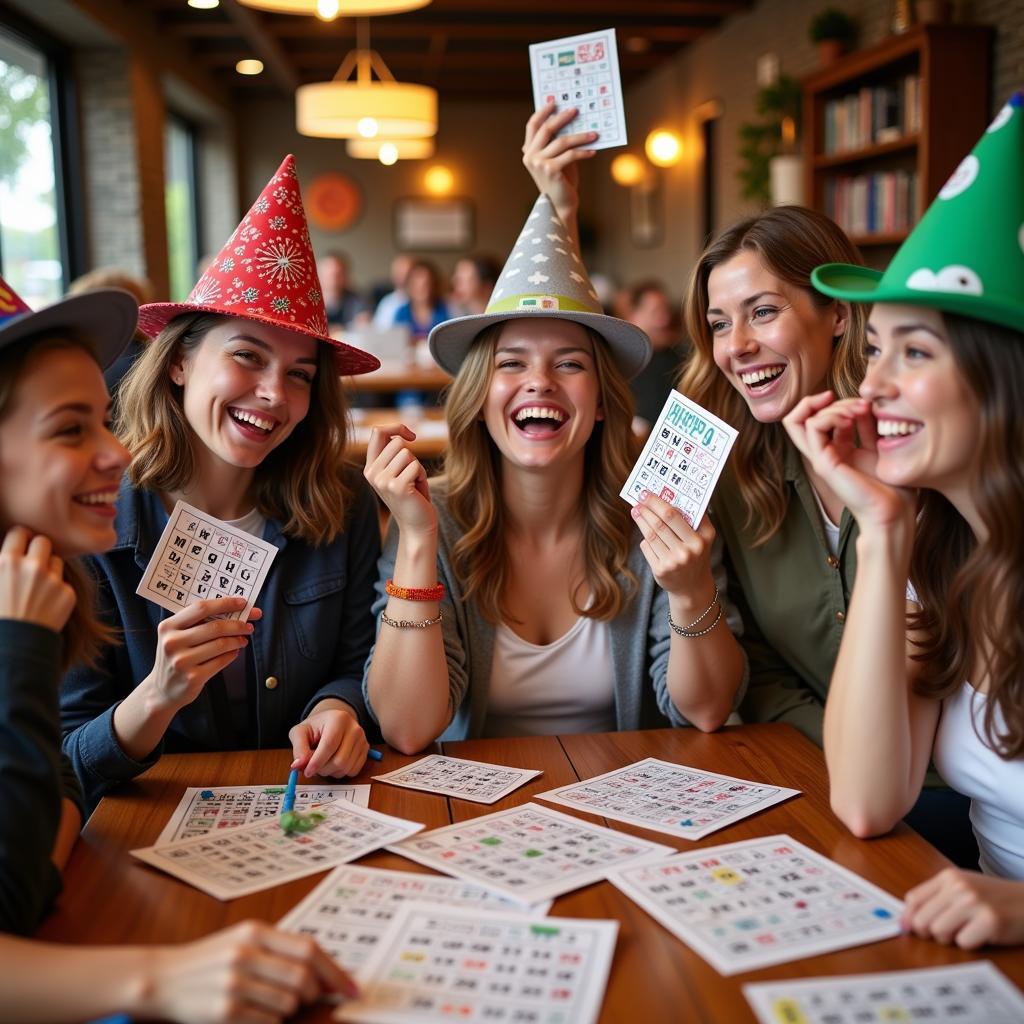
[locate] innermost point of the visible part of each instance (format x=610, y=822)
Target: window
x=32, y=237
x=181, y=201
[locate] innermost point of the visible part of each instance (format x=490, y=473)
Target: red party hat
x=266, y=272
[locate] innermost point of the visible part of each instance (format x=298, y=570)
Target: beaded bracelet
x=434, y=593
x=703, y=615
x=409, y=623
x=691, y=635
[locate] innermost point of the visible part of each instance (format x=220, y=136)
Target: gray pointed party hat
x=966, y=255
x=543, y=277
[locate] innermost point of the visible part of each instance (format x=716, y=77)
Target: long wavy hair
x=790, y=241
x=972, y=597
x=299, y=483
x=473, y=473
x=85, y=634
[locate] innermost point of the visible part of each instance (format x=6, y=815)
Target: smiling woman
x=553, y=611
x=236, y=407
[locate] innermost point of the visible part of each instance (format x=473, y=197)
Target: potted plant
x=768, y=148
x=833, y=32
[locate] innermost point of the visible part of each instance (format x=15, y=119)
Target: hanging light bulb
x=327, y=10
x=367, y=127
x=388, y=154
x=383, y=149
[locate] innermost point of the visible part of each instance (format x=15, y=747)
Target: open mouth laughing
x=539, y=421
x=760, y=378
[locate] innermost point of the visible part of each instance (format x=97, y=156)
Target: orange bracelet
x=434, y=593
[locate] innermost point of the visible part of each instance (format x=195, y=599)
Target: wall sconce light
x=439, y=180
x=628, y=169
x=249, y=66
x=664, y=148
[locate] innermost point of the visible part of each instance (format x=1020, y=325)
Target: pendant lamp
x=328, y=9
x=387, y=151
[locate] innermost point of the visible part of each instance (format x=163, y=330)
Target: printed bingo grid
x=582, y=72
x=529, y=853
x=254, y=857
x=672, y=798
x=351, y=908
x=975, y=993
x=209, y=809
x=760, y=902
x=200, y=557
x=440, y=963
x=455, y=776
x=682, y=459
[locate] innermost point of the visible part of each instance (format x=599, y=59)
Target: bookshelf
x=885, y=127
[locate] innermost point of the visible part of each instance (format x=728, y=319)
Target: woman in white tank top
x=936, y=486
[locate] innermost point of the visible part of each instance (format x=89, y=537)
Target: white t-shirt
x=565, y=686
x=995, y=785
x=831, y=529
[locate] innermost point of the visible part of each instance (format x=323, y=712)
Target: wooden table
x=110, y=897
x=392, y=377
x=428, y=425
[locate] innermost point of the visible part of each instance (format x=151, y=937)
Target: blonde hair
x=790, y=241
x=85, y=634
x=299, y=483
x=472, y=471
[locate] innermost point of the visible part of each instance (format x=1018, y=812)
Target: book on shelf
x=872, y=204
x=873, y=115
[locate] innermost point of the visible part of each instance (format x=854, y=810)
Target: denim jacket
x=312, y=642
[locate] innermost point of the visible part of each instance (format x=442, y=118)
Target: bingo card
x=682, y=459
x=200, y=557
x=974, y=993
x=211, y=808
x=453, y=776
x=529, y=853
x=254, y=857
x=439, y=964
x=582, y=72
x=672, y=798
x=760, y=902
x=352, y=907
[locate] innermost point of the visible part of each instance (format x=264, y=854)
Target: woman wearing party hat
x=516, y=596
x=928, y=460
x=59, y=472
x=236, y=407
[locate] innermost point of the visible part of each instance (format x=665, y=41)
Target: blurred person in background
x=389, y=304
x=472, y=283
x=344, y=305
x=651, y=309
x=425, y=308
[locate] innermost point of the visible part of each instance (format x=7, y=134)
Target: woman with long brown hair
x=928, y=460
x=552, y=614
x=236, y=408
x=59, y=471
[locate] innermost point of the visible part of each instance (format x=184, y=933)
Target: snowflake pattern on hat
x=266, y=272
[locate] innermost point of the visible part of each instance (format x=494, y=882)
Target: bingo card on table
x=351, y=908
x=582, y=72
x=529, y=853
x=211, y=808
x=439, y=964
x=672, y=798
x=974, y=993
x=760, y=902
x=454, y=776
x=682, y=459
x=255, y=857
x=199, y=557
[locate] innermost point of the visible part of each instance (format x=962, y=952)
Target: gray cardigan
x=640, y=638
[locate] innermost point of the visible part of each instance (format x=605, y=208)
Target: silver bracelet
x=690, y=635
x=703, y=615
x=409, y=623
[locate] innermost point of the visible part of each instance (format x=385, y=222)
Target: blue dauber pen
x=289, y=793
x=374, y=755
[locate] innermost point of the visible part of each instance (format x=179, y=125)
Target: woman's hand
x=552, y=160
x=400, y=480
x=966, y=908
x=251, y=972
x=192, y=647
x=330, y=741
x=827, y=432
x=32, y=585
x=679, y=556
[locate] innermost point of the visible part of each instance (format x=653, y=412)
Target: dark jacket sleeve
x=356, y=629
x=31, y=783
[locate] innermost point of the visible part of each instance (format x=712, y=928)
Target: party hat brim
x=450, y=342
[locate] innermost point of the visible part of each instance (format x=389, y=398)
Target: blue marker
x=374, y=755
x=289, y=793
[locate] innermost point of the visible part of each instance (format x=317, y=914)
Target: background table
x=110, y=897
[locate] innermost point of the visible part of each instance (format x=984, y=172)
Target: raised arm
x=407, y=680
x=878, y=733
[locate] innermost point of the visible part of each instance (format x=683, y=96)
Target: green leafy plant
x=832, y=23
x=761, y=140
